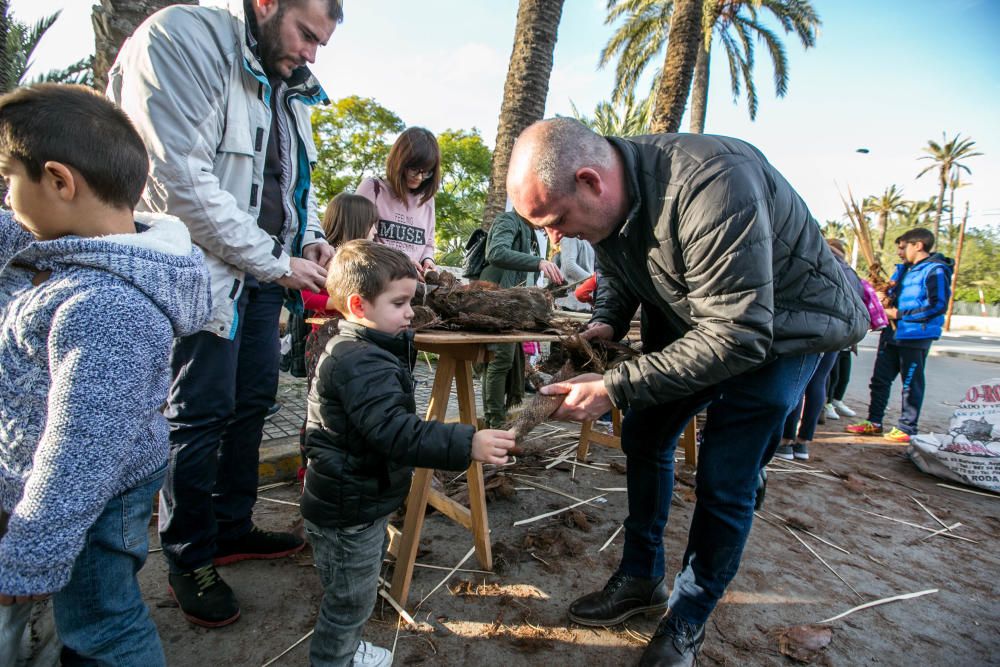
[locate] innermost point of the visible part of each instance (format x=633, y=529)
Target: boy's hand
x=8, y=600
x=491, y=446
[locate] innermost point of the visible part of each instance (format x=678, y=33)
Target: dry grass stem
x=288, y=650
x=978, y=493
x=558, y=511
x=828, y=566
x=875, y=603
x=452, y=571
x=611, y=539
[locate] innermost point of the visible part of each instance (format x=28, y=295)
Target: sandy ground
x=517, y=615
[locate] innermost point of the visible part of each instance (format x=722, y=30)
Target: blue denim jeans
x=216, y=409
x=743, y=428
x=349, y=561
x=100, y=615
x=805, y=414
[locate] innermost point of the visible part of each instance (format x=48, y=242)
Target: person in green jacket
x=512, y=260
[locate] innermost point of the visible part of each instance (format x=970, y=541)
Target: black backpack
x=474, y=257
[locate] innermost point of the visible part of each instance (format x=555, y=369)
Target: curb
x=279, y=461
x=986, y=359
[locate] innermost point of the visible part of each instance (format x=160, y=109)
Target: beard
x=269, y=42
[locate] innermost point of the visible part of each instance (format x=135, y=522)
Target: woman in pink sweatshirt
x=404, y=197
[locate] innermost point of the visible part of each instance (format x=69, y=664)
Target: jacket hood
x=400, y=345
x=160, y=261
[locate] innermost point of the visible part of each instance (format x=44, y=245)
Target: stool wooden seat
x=613, y=439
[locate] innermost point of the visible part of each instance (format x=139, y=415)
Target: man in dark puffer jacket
x=739, y=295
x=363, y=439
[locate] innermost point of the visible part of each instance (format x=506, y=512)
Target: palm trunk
x=940, y=206
x=951, y=216
x=699, y=89
x=525, y=90
x=883, y=225
x=678, y=66
x=5, y=82
x=114, y=21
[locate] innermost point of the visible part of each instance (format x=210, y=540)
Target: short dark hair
x=416, y=148
x=366, y=268
x=334, y=8
x=925, y=236
x=80, y=128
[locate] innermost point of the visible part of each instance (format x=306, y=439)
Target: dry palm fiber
x=863, y=237
x=485, y=307
x=573, y=355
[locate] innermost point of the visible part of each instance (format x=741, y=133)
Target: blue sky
x=885, y=75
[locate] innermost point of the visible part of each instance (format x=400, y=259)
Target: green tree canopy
x=19, y=43
x=465, y=176
x=353, y=136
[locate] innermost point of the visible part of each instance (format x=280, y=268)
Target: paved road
x=947, y=380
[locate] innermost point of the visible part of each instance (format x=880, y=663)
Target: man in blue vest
x=917, y=300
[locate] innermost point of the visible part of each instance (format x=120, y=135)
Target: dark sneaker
x=624, y=596
x=674, y=644
x=758, y=500
x=784, y=452
x=204, y=598
x=801, y=451
x=256, y=545
x=273, y=410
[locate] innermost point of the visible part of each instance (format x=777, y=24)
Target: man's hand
x=586, y=397
x=306, y=274
x=598, y=330
x=8, y=600
x=551, y=271
x=320, y=252
x=492, y=445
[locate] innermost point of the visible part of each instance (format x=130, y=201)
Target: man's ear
x=60, y=179
x=265, y=9
x=356, y=306
x=589, y=178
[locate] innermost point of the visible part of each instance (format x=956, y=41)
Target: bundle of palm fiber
x=483, y=306
x=572, y=356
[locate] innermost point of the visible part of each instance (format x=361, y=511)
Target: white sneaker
x=829, y=412
x=843, y=409
x=370, y=655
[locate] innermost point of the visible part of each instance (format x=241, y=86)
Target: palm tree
x=945, y=157
x=643, y=34
x=114, y=21
x=678, y=66
x=18, y=41
x=889, y=203
x=916, y=213
x=625, y=119
x=525, y=90
x=954, y=183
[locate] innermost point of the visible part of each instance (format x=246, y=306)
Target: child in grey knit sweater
x=90, y=300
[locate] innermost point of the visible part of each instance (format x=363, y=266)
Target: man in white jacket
x=221, y=97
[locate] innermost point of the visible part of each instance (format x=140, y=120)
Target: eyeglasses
x=420, y=173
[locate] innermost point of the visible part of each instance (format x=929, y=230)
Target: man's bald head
x=553, y=150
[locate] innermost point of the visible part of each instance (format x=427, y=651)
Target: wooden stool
x=613, y=439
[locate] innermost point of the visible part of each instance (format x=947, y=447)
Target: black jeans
x=840, y=377
x=216, y=409
x=908, y=363
x=745, y=417
x=811, y=403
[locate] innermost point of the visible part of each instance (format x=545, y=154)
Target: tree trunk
x=954, y=273
x=525, y=90
x=883, y=226
x=678, y=66
x=699, y=89
x=951, y=215
x=114, y=21
x=940, y=206
x=5, y=83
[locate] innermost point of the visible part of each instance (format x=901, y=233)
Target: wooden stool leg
x=691, y=443
x=477, y=490
x=616, y=421
x=416, y=507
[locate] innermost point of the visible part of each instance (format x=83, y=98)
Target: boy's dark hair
x=366, y=268
x=925, y=236
x=80, y=128
x=416, y=148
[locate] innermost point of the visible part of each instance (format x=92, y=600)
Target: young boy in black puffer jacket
x=363, y=440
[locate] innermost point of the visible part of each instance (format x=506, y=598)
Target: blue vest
x=911, y=294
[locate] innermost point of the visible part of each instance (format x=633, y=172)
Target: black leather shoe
x=624, y=596
x=758, y=501
x=674, y=644
x=256, y=545
x=204, y=598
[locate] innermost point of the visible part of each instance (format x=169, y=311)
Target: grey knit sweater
x=84, y=371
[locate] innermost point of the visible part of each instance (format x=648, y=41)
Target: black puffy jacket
x=729, y=266
x=363, y=438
